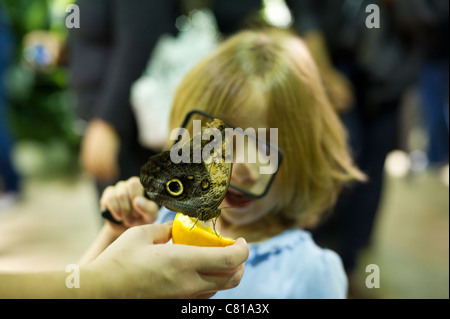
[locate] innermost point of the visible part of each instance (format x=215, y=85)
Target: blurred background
x=80, y=84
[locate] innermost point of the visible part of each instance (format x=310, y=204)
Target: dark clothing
x=428, y=21
x=433, y=83
x=9, y=178
x=351, y=225
x=381, y=63
x=233, y=15
x=108, y=53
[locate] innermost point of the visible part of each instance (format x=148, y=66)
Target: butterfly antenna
x=195, y=223
x=214, y=226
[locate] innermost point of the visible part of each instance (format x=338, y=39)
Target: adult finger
x=221, y=259
x=222, y=280
x=153, y=234
x=205, y=295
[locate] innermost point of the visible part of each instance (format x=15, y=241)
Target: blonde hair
x=274, y=69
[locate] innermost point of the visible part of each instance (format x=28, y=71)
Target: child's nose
x=243, y=175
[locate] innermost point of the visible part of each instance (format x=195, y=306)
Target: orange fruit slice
x=184, y=232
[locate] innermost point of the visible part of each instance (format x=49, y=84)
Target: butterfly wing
x=194, y=189
x=219, y=163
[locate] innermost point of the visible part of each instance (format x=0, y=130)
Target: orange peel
x=186, y=231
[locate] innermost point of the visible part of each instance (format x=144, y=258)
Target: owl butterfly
x=193, y=188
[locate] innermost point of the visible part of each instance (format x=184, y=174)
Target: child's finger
x=146, y=208
x=109, y=201
x=123, y=199
x=134, y=187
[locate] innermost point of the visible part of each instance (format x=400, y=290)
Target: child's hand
x=126, y=203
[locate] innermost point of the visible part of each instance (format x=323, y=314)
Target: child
x=267, y=79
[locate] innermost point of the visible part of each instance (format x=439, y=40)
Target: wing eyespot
x=174, y=187
x=204, y=184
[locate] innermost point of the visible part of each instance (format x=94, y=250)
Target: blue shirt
x=289, y=265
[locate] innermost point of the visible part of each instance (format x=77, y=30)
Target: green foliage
x=42, y=106
x=41, y=103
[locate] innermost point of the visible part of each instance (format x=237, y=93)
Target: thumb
x=146, y=208
x=154, y=234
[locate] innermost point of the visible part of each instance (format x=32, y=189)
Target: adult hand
x=99, y=151
x=137, y=266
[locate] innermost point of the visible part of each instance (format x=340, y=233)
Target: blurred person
x=137, y=265
x=9, y=178
x=265, y=79
x=428, y=22
x=308, y=24
x=380, y=64
x=107, y=54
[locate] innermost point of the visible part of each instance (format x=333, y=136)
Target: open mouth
x=237, y=199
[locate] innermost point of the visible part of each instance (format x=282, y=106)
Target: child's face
x=238, y=208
